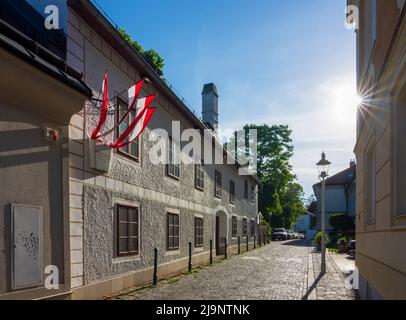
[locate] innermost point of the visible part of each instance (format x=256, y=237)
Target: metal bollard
x=190, y=257
x=247, y=244
x=155, y=277
x=255, y=245
x=225, y=248
x=239, y=245
x=211, y=251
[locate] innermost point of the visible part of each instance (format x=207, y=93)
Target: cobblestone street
x=280, y=271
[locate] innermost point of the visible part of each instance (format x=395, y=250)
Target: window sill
x=172, y=179
x=199, y=189
x=198, y=249
x=125, y=259
x=169, y=253
x=128, y=157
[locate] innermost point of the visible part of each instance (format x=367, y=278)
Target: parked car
x=291, y=234
x=351, y=248
x=280, y=234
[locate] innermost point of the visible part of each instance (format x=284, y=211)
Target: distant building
x=306, y=224
x=381, y=149
x=339, y=196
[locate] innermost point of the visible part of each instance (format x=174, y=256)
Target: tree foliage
x=281, y=197
x=311, y=204
x=151, y=55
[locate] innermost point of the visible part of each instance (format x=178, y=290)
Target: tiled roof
x=344, y=177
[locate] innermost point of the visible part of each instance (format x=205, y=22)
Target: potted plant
x=317, y=240
x=342, y=244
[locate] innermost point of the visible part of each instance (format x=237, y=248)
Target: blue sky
x=275, y=62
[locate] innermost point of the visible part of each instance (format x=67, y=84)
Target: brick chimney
x=210, y=114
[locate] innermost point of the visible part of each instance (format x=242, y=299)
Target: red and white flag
x=133, y=94
x=104, y=107
x=138, y=125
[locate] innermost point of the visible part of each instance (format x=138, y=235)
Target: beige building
x=381, y=149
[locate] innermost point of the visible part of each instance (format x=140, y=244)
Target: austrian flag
x=143, y=114
x=142, y=118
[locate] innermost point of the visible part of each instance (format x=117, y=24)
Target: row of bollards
x=190, y=266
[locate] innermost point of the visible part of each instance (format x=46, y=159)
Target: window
x=127, y=230
x=217, y=184
x=198, y=232
x=371, y=186
x=374, y=15
x=252, y=228
x=234, y=227
x=133, y=149
x=253, y=193
x=173, y=166
x=246, y=190
x=199, y=177
x=173, y=231
x=232, y=192
x=400, y=155
x=244, y=227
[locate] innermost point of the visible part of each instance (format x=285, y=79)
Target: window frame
x=232, y=192
x=174, y=235
x=244, y=227
x=253, y=190
x=120, y=101
x=128, y=253
x=217, y=184
x=199, y=168
x=252, y=228
x=246, y=190
x=370, y=185
x=171, y=159
x=199, y=232
x=234, y=227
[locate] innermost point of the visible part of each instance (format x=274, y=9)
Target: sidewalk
x=331, y=285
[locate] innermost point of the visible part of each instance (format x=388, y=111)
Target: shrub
x=318, y=236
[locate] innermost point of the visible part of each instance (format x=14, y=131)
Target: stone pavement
x=279, y=271
x=331, y=286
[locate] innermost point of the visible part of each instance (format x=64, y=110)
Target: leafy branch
x=151, y=55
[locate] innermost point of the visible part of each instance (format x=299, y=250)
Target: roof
x=345, y=177
x=36, y=55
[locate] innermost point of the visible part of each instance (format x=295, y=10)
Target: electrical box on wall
x=51, y=135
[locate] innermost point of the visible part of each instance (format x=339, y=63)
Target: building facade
x=380, y=149
x=339, y=196
x=115, y=214
x=306, y=224
x=39, y=93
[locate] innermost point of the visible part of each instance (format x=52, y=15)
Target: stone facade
x=94, y=195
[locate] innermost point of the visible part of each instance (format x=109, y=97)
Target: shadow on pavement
x=312, y=287
x=298, y=243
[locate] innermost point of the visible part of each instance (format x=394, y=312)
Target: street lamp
x=323, y=165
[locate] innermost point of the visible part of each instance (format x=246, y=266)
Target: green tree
x=311, y=204
x=281, y=198
x=151, y=55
